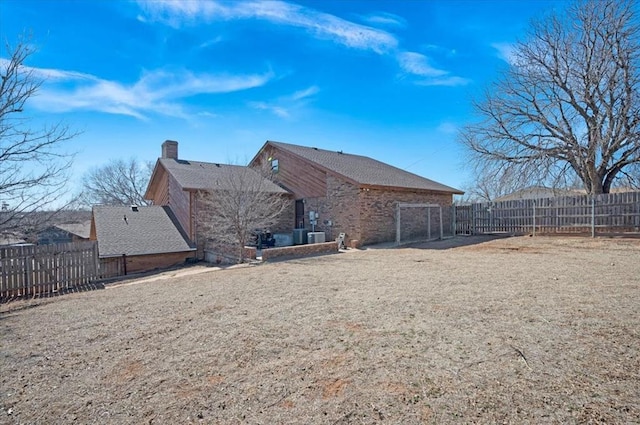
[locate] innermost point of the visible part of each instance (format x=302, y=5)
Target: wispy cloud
x=159, y=91
x=505, y=51
x=385, y=19
x=322, y=25
x=418, y=67
x=418, y=64
x=282, y=106
x=277, y=110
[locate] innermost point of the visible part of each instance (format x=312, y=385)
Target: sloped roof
x=364, y=170
x=79, y=229
x=150, y=230
x=198, y=175
x=538, y=192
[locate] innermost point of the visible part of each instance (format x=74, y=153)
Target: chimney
x=170, y=149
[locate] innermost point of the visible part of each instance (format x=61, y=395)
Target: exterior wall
x=339, y=206
x=179, y=201
x=284, y=224
x=378, y=209
x=142, y=263
x=301, y=178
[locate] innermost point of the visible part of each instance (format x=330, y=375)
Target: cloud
x=303, y=94
x=505, y=51
x=422, y=73
x=418, y=64
x=322, y=25
x=385, y=19
x=277, y=110
x=282, y=105
x=158, y=91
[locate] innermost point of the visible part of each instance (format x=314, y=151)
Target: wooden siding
x=300, y=177
x=158, y=191
x=179, y=201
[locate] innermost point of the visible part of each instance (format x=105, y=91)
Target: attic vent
x=134, y=208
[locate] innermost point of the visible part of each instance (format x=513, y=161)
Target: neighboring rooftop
x=364, y=170
x=147, y=230
x=196, y=175
x=81, y=230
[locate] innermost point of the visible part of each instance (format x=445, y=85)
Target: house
x=64, y=233
x=351, y=194
x=177, y=183
x=147, y=237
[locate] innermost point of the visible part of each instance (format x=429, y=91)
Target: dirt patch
x=507, y=330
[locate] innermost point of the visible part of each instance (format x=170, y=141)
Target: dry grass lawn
x=519, y=330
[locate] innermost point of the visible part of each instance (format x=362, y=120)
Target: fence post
x=593, y=216
x=534, y=218
x=398, y=224
x=428, y=223
x=441, y=230
x=453, y=220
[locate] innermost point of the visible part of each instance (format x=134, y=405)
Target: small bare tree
x=119, y=182
x=569, y=103
x=240, y=201
x=33, y=168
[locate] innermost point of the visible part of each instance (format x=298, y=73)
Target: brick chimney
x=170, y=149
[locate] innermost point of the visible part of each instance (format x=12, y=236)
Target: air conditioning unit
x=315, y=237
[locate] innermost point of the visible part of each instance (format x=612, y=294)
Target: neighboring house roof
x=9, y=239
x=361, y=169
x=538, y=192
x=196, y=175
x=81, y=230
x=149, y=230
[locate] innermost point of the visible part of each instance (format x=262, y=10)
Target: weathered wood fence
x=46, y=269
x=614, y=214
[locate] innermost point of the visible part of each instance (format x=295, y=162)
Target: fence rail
x=45, y=269
x=615, y=213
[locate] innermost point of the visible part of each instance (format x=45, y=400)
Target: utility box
x=299, y=236
x=315, y=237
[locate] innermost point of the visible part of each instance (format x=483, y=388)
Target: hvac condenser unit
x=315, y=237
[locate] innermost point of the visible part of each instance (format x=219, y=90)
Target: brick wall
x=340, y=206
x=378, y=208
x=142, y=263
x=300, y=250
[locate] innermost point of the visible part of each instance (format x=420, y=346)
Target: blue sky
x=392, y=80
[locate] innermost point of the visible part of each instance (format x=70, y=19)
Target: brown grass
x=520, y=330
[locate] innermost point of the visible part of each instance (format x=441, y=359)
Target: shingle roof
x=150, y=230
x=205, y=175
x=79, y=229
x=364, y=170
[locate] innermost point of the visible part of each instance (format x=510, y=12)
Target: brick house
x=147, y=237
x=178, y=183
x=352, y=194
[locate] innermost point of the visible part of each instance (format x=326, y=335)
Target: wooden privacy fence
x=614, y=213
x=45, y=269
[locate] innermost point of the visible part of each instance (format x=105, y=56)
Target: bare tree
x=241, y=201
x=33, y=167
x=119, y=182
x=568, y=104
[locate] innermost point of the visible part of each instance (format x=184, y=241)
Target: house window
x=274, y=165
